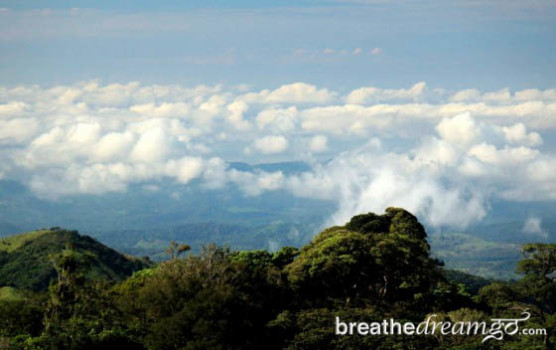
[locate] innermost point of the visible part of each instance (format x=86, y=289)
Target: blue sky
x=458, y=44
x=439, y=107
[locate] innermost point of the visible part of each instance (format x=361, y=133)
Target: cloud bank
x=442, y=154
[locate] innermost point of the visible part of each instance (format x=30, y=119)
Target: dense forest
x=62, y=290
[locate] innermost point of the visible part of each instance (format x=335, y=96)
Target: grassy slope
x=24, y=262
x=12, y=243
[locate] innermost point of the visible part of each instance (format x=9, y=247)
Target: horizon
x=443, y=109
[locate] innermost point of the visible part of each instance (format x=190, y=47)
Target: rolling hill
x=24, y=258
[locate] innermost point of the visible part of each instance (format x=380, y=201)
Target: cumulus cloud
x=374, y=94
x=281, y=120
x=271, y=144
x=235, y=117
x=466, y=95
x=113, y=146
x=509, y=155
x=318, y=143
x=164, y=110
x=535, y=94
x=253, y=184
x=17, y=130
x=299, y=93
x=367, y=179
x=517, y=133
x=152, y=146
x=185, y=169
x=460, y=129
x=503, y=96
x=346, y=119
x=441, y=154
x=12, y=108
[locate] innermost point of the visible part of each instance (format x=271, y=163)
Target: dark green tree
x=372, y=259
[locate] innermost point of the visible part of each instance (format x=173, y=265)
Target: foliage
x=374, y=258
x=470, y=283
x=215, y=300
x=25, y=265
x=375, y=267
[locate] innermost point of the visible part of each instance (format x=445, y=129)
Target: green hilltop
x=25, y=262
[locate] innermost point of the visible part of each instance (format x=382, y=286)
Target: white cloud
x=460, y=129
x=517, y=133
x=373, y=94
x=535, y=94
x=352, y=119
x=235, y=117
x=318, y=143
x=533, y=227
x=113, y=146
x=444, y=155
x=84, y=133
x=12, y=108
x=113, y=95
x=299, y=93
x=367, y=180
x=270, y=181
x=152, y=146
x=271, y=144
x=542, y=170
x=466, y=95
x=280, y=120
x=253, y=184
x=435, y=152
x=185, y=169
x=212, y=106
x=508, y=155
x=498, y=96
x=164, y=110
x=18, y=130
x=504, y=96
x=215, y=173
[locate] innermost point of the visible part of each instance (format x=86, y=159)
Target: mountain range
x=145, y=218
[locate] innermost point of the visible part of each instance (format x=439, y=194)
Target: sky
x=437, y=106
x=459, y=44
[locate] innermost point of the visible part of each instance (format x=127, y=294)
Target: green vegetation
x=375, y=267
x=24, y=258
x=10, y=294
x=12, y=243
x=471, y=283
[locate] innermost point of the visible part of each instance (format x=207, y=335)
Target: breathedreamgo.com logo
x=496, y=329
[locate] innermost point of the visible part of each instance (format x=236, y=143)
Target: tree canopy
x=373, y=268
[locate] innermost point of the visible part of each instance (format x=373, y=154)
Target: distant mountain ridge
x=144, y=218
x=160, y=204
x=24, y=258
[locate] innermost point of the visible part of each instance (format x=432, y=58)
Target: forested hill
x=26, y=259
x=373, y=268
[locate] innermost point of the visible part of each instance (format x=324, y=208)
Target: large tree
x=373, y=258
